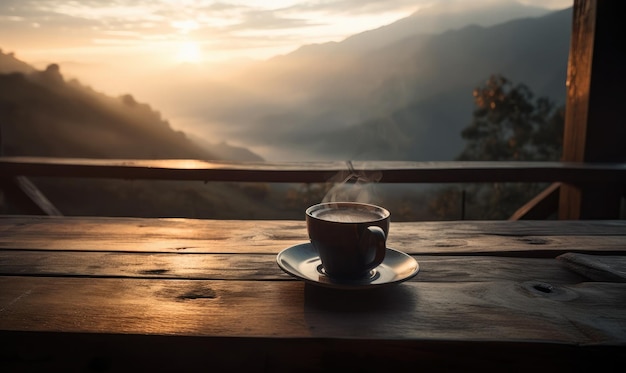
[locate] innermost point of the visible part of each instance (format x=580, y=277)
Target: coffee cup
x=349, y=237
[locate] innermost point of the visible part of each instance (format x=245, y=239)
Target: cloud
x=549, y=4
x=225, y=30
x=355, y=7
x=138, y=19
x=270, y=20
x=167, y=16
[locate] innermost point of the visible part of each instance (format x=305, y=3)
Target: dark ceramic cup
x=349, y=237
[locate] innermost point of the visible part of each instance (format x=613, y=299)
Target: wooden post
x=596, y=106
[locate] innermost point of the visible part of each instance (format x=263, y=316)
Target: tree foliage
x=507, y=125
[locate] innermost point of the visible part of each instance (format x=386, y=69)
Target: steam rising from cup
x=352, y=186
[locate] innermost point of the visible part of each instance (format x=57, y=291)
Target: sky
x=166, y=32
x=121, y=46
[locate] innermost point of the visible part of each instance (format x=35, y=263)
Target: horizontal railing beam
x=315, y=172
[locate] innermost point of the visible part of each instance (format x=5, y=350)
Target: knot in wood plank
x=534, y=240
x=199, y=294
x=547, y=290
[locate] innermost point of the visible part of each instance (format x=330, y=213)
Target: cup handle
x=376, y=236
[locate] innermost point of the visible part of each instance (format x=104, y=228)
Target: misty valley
x=400, y=92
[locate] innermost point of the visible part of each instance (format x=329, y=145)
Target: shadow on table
x=391, y=299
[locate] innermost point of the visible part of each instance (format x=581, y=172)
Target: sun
x=189, y=52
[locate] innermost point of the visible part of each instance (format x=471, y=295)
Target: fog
x=336, y=100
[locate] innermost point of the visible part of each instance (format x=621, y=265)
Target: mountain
x=400, y=98
x=10, y=64
x=435, y=18
x=41, y=114
x=436, y=102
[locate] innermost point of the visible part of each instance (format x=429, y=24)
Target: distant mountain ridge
x=41, y=114
x=10, y=64
x=406, y=95
x=437, y=96
x=442, y=16
x=407, y=99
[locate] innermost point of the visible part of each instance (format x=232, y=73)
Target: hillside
x=10, y=64
x=422, y=112
x=434, y=18
x=403, y=97
x=43, y=115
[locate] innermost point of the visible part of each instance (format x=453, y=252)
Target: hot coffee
x=350, y=237
x=347, y=215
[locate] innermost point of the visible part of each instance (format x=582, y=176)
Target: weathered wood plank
x=315, y=172
x=255, y=267
x=521, y=238
x=122, y=293
x=594, y=109
x=595, y=267
x=467, y=311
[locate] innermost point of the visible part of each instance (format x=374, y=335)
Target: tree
x=507, y=125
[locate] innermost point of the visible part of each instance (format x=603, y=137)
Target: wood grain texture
x=256, y=267
x=596, y=267
x=473, y=311
x=594, y=107
x=128, y=294
x=521, y=238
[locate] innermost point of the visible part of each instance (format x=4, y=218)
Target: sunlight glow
x=189, y=52
x=185, y=26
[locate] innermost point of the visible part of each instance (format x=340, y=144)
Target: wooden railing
x=15, y=170
x=315, y=172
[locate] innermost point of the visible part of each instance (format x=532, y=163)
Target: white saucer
x=303, y=262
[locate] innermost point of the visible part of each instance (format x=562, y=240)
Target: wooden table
x=127, y=294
